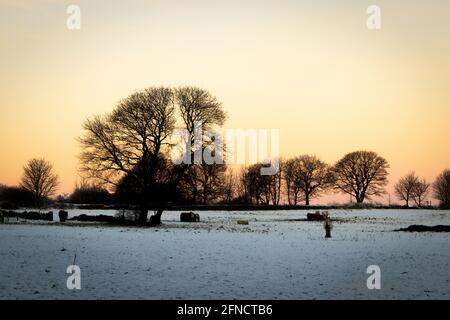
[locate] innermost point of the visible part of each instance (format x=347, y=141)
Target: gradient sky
x=311, y=69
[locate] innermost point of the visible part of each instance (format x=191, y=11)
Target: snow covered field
x=274, y=257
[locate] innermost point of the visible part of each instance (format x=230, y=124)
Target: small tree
x=230, y=187
x=420, y=191
x=39, y=179
x=405, y=187
x=311, y=176
x=441, y=188
x=290, y=176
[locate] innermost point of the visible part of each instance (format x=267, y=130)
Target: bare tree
x=131, y=141
x=198, y=107
x=189, y=186
x=39, y=179
x=404, y=188
x=441, y=188
x=255, y=187
x=262, y=189
x=420, y=191
x=230, y=187
x=212, y=182
x=276, y=182
x=293, y=187
x=312, y=176
x=130, y=146
x=361, y=174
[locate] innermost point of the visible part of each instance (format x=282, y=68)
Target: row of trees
x=128, y=152
x=361, y=174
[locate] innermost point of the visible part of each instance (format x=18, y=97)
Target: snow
x=274, y=257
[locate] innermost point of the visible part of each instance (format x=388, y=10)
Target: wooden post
x=327, y=231
x=327, y=225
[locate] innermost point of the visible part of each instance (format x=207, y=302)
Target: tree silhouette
x=441, y=188
x=39, y=179
x=420, y=191
x=130, y=141
x=134, y=140
x=404, y=188
x=361, y=174
x=310, y=175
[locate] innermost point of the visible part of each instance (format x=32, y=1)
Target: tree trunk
x=143, y=214
x=155, y=220
x=327, y=232
x=307, y=199
x=143, y=211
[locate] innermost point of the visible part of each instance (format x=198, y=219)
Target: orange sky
x=312, y=70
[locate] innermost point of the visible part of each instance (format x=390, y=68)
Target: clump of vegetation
x=15, y=197
x=90, y=193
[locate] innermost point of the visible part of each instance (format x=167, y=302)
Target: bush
x=62, y=215
x=15, y=197
x=90, y=194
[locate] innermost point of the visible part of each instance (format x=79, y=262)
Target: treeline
x=127, y=155
x=299, y=180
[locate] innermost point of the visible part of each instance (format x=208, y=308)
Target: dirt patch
x=421, y=228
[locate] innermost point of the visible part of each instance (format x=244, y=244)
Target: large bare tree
x=404, y=188
x=39, y=179
x=131, y=140
x=441, y=188
x=361, y=174
x=132, y=143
